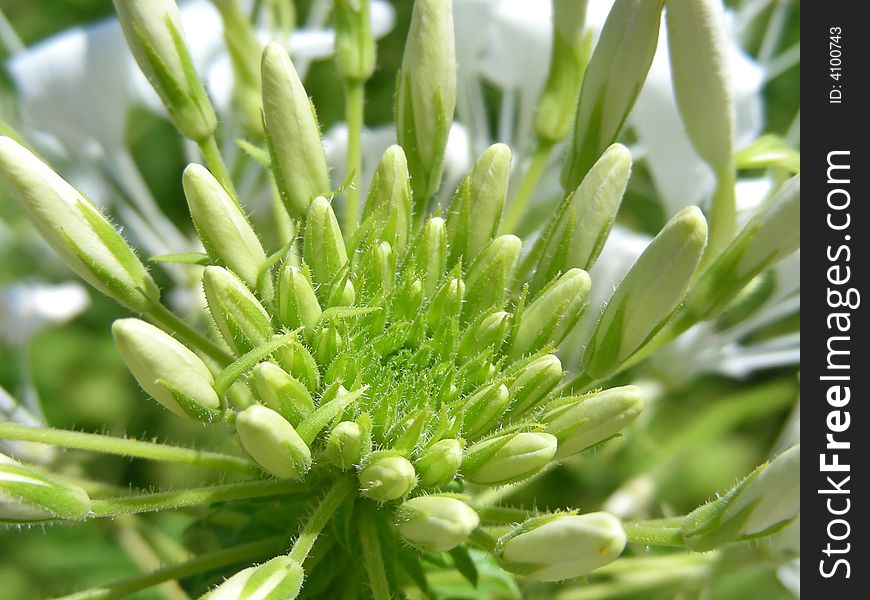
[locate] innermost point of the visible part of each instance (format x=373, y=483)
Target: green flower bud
x=430, y=252
x=553, y=314
x=292, y=132
x=533, y=383
x=76, y=229
x=435, y=523
x=341, y=294
x=616, y=73
x=387, y=213
x=439, y=463
x=387, y=478
x=297, y=303
x=577, y=232
x=447, y=302
x=568, y=57
x=763, y=503
x=408, y=300
x=27, y=496
x=582, y=422
x=557, y=547
x=491, y=275
x=278, y=579
x=153, y=32
x=488, y=332
x=344, y=446
x=166, y=369
x=377, y=269
x=225, y=232
x=698, y=50
x=239, y=316
x=426, y=94
x=282, y=392
x=508, y=458
x=297, y=360
x=323, y=248
x=273, y=442
x=354, y=42
x=645, y=299
x=327, y=344
x=483, y=409
x=475, y=212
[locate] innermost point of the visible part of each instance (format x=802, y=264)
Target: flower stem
x=112, y=507
x=373, y=558
x=200, y=564
x=503, y=514
x=529, y=182
x=354, y=102
x=723, y=217
x=656, y=532
x=171, y=323
x=215, y=163
x=482, y=540
x=319, y=518
x=125, y=447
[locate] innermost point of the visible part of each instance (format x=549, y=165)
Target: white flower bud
x=273, y=442
x=27, y=496
x=508, y=458
x=435, y=523
x=387, y=478
x=277, y=579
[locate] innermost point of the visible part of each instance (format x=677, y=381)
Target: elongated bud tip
x=439, y=463
x=27, y=496
x=388, y=478
x=280, y=577
x=344, y=446
x=517, y=457
x=435, y=523
x=558, y=547
x=273, y=442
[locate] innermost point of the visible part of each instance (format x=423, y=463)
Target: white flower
x=26, y=308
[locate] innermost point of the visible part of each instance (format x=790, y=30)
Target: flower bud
x=387, y=213
x=354, y=42
x=239, y=316
x=580, y=423
x=645, y=299
x=273, y=442
x=439, y=463
x=447, y=302
x=282, y=392
x=377, y=270
x=475, y=212
x=292, y=133
x=280, y=577
x=76, y=229
x=430, y=252
x=435, y=523
x=297, y=303
x=615, y=74
x=344, y=446
x=533, y=383
x=426, y=93
x=553, y=314
x=27, y=496
x=224, y=230
x=297, y=360
x=173, y=375
x=508, y=458
x=153, y=32
x=578, y=230
x=491, y=275
x=387, y=478
x=327, y=343
x=488, y=332
x=557, y=547
x=483, y=409
x=323, y=248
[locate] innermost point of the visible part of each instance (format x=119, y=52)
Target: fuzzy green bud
x=648, y=295
x=354, y=42
x=582, y=422
x=76, y=229
x=323, y=248
x=426, y=95
x=491, y=275
x=534, y=382
x=439, y=463
x=558, y=547
x=153, y=32
x=167, y=370
x=483, y=409
x=327, y=343
x=223, y=228
x=447, y=302
x=488, y=332
x=577, y=232
x=475, y=212
x=298, y=361
x=387, y=213
x=553, y=314
x=292, y=132
x=430, y=252
x=508, y=458
x=377, y=269
x=387, y=478
x=239, y=316
x=273, y=442
x=27, y=496
x=297, y=303
x=615, y=75
x=278, y=579
x=435, y=523
x=344, y=446
x=282, y=392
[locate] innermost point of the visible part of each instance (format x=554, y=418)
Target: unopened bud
x=387, y=213
x=387, y=478
x=508, y=458
x=430, y=252
x=280, y=577
x=27, y=496
x=297, y=303
x=491, y=275
x=344, y=446
x=323, y=248
x=273, y=442
x=488, y=332
x=533, y=383
x=435, y=523
x=482, y=410
x=239, y=316
x=282, y=392
x=439, y=463
x=354, y=42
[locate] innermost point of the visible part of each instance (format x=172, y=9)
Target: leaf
x=184, y=258
x=261, y=155
x=464, y=564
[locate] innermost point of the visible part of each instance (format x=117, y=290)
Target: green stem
x=354, y=102
x=200, y=564
x=215, y=163
x=112, y=507
x=373, y=558
x=482, y=540
x=125, y=447
x=656, y=532
x=245, y=363
x=503, y=514
x=171, y=323
x=528, y=183
x=723, y=216
x=319, y=518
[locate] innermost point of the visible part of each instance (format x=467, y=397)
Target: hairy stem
x=656, y=532
x=528, y=184
x=319, y=518
x=373, y=559
x=354, y=102
x=171, y=323
x=215, y=163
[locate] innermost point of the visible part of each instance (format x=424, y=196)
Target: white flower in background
x=28, y=308
x=12, y=410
